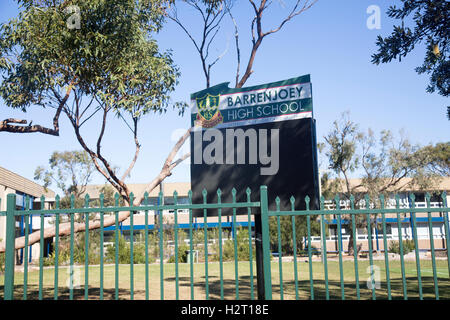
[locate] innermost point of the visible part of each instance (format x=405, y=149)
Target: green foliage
x=79, y=252
x=384, y=160
x=341, y=145
x=431, y=25
x=330, y=187
x=242, y=244
x=287, y=245
x=408, y=246
x=2, y=261
x=437, y=158
x=183, y=250
x=110, y=56
x=124, y=252
x=198, y=240
x=70, y=170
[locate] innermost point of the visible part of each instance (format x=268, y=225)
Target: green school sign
x=224, y=107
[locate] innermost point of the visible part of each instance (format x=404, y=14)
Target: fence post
x=266, y=243
x=10, y=246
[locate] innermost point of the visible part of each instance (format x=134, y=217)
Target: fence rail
x=281, y=277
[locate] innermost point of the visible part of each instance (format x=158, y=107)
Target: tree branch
x=168, y=166
x=6, y=126
x=260, y=35
x=136, y=154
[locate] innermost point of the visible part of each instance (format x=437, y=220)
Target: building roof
x=16, y=182
x=404, y=185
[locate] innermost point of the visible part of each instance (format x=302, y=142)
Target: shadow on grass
x=64, y=293
x=244, y=290
x=320, y=288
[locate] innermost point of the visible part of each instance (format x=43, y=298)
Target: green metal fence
x=281, y=279
x=370, y=212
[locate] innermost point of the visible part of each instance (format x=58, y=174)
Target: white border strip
x=242, y=123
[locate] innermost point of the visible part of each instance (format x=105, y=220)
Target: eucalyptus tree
x=71, y=171
x=427, y=23
x=88, y=61
x=386, y=165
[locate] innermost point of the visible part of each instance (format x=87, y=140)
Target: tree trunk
x=350, y=244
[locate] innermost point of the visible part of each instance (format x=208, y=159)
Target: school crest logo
x=208, y=115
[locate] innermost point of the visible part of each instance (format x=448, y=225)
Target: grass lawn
x=229, y=284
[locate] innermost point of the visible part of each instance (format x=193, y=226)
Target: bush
x=124, y=249
x=286, y=237
x=182, y=254
x=243, y=252
x=78, y=250
x=408, y=246
x=2, y=262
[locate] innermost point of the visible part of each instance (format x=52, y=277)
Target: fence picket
x=41, y=251
x=219, y=200
x=308, y=226
x=341, y=268
x=355, y=248
x=416, y=246
x=294, y=245
x=433, y=260
x=25, y=255
x=385, y=246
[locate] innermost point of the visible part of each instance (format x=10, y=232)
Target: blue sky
x=330, y=41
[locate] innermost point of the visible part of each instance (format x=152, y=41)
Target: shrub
x=408, y=246
x=243, y=252
x=182, y=254
x=124, y=249
x=2, y=262
x=78, y=250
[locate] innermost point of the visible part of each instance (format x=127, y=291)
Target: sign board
x=259, y=135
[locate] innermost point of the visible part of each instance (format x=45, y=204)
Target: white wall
x=4, y=191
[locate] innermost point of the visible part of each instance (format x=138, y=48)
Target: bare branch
x=307, y=5
x=6, y=125
x=136, y=154
x=212, y=17
x=236, y=36
x=260, y=35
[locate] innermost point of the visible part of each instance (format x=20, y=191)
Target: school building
x=405, y=221
x=11, y=182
